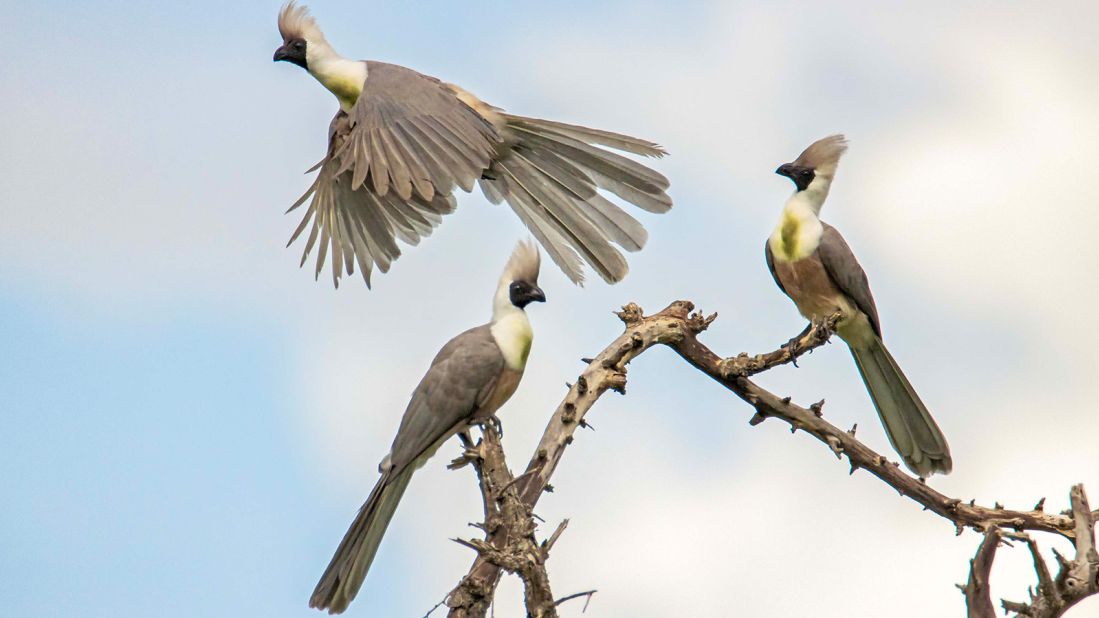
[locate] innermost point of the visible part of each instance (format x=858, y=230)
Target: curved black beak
x=281, y=54
x=537, y=294
x=786, y=169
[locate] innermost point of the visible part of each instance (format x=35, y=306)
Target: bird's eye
x=805, y=173
x=299, y=45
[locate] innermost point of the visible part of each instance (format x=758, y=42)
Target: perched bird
x=402, y=141
x=470, y=378
x=813, y=265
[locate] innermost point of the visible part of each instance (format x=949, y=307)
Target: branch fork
x=509, y=501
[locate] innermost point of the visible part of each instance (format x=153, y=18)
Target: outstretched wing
x=392, y=164
x=840, y=263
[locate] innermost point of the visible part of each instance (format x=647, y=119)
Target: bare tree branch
x=587, y=595
x=978, y=597
x=1076, y=579
x=605, y=372
x=508, y=518
x=677, y=327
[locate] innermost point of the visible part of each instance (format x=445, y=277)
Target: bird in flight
x=402, y=141
x=812, y=264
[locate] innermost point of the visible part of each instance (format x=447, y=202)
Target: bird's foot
x=794, y=345
x=493, y=421
x=471, y=452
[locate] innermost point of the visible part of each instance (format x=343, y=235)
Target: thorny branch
x=1076, y=579
x=510, y=520
x=509, y=524
x=473, y=595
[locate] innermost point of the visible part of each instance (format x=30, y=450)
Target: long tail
x=347, y=570
x=550, y=176
x=908, y=424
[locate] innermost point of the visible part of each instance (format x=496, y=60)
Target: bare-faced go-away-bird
x=402, y=141
x=813, y=265
x=470, y=378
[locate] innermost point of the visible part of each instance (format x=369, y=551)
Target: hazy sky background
x=188, y=421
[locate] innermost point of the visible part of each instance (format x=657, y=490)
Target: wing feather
x=448, y=394
x=847, y=273
x=393, y=161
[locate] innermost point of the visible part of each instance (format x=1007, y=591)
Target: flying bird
x=813, y=265
x=402, y=141
x=471, y=377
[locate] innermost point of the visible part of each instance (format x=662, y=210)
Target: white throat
x=813, y=196
x=798, y=232
x=341, y=76
x=511, y=329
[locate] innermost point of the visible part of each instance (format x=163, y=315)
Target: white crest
x=523, y=264
x=295, y=22
x=823, y=155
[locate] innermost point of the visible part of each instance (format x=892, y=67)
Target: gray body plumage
x=462, y=377
x=812, y=264
x=909, y=426
x=469, y=379
x=398, y=149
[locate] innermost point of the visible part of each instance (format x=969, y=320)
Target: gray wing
x=392, y=164
x=846, y=272
x=770, y=257
x=462, y=374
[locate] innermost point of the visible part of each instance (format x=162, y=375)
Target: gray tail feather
x=908, y=424
x=551, y=178
x=347, y=570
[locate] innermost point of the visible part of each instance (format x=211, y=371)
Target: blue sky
x=188, y=421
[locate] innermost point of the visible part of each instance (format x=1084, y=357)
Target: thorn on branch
x=587, y=361
x=631, y=314
x=547, y=545
x=1041, y=506
x=817, y=408
x=570, y=597
x=851, y=432
x=786, y=400
x=437, y=606
x=697, y=323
